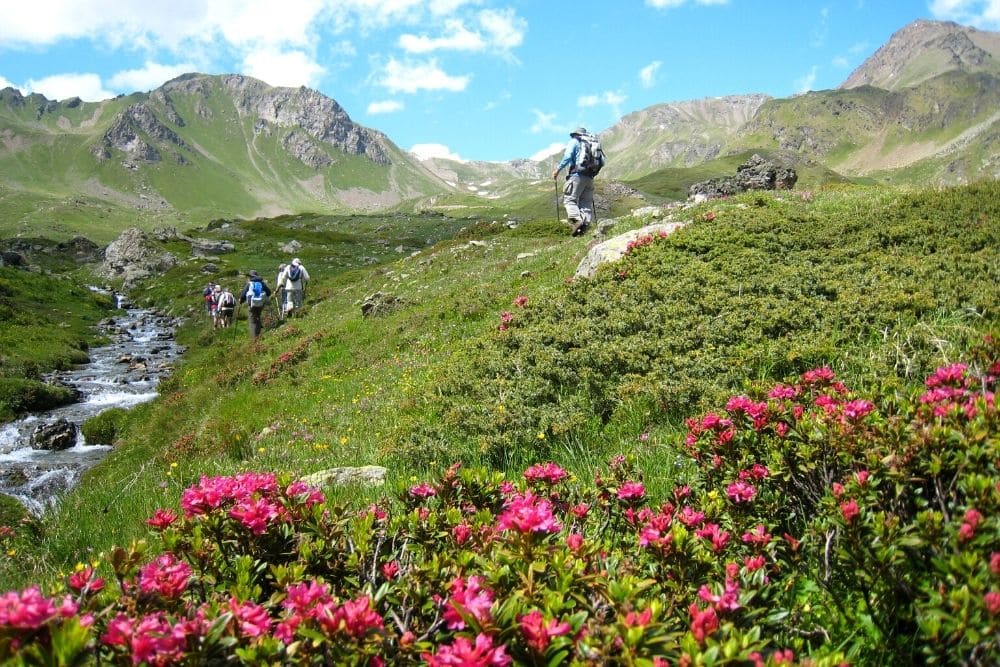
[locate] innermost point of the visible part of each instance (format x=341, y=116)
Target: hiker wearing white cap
x=293, y=279
x=584, y=157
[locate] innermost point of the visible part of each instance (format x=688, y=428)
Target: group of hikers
x=221, y=304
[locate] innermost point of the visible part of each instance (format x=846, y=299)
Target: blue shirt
x=569, y=156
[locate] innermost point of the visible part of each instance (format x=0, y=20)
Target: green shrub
x=103, y=428
x=18, y=396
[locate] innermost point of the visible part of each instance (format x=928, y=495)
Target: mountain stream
x=121, y=374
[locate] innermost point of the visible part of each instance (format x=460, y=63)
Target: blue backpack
x=255, y=295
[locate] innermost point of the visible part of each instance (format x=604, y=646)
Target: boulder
x=614, y=248
x=291, y=247
x=379, y=303
x=206, y=247
x=133, y=258
x=58, y=435
x=756, y=173
x=363, y=475
x=11, y=258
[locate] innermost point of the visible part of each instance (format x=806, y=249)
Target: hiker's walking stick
x=555, y=182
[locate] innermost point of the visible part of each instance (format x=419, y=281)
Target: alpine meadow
x=748, y=418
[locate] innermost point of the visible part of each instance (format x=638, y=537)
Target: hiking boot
x=579, y=229
x=575, y=226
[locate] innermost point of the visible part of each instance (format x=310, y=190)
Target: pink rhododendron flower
x=758, y=536
x=257, y=514
x=528, y=513
x=690, y=517
x=549, y=473
x=357, y=618
x=85, y=579
x=995, y=562
x=468, y=598
x=715, y=534
x=973, y=517
x=119, y=632
x=29, y=609
x=754, y=563
x=521, y=301
x=729, y=600
x=741, y=492
x=422, y=490
x=580, y=510
x=165, y=576
x=464, y=653
x=950, y=376
x=819, y=375
x=838, y=489
x=506, y=316
x=156, y=642
x=252, y=620
x=756, y=471
x=461, y=532
x=390, y=569
x=639, y=619
x=862, y=477
x=630, y=490
x=312, y=495
x=849, y=509
x=537, y=633
x=162, y=519
x=857, y=409
x=703, y=622
x=992, y=602
x=574, y=541
x=783, y=392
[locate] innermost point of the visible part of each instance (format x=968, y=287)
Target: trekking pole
x=555, y=182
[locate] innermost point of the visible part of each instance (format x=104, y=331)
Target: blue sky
x=471, y=79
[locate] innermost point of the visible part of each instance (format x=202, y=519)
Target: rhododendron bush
x=820, y=528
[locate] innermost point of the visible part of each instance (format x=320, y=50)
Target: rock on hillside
x=925, y=49
x=133, y=257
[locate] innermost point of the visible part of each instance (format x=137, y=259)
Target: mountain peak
x=924, y=49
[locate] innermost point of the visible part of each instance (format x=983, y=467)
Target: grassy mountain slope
x=198, y=147
x=861, y=131
x=879, y=285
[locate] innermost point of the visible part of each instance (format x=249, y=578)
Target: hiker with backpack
x=225, y=308
x=585, y=159
x=280, y=289
x=255, y=295
x=293, y=281
x=209, y=299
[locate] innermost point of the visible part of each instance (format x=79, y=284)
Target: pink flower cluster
x=550, y=473
x=952, y=391
x=644, y=240
x=463, y=652
x=29, y=609
x=538, y=633
x=165, y=576
x=311, y=603
x=468, y=599
x=152, y=639
x=528, y=513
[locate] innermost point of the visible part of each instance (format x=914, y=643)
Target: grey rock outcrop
x=379, y=303
x=363, y=475
x=208, y=247
x=134, y=131
x=56, y=436
x=756, y=173
x=133, y=257
x=615, y=248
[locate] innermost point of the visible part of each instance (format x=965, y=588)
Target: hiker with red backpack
x=255, y=295
x=585, y=158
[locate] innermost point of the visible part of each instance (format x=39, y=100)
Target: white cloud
x=979, y=13
x=805, y=82
x=610, y=98
x=458, y=38
x=549, y=151
x=151, y=75
x=385, y=106
x=647, y=75
x=282, y=68
x=841, y=62
x=544, y=122
x=860, y=47
x=410, y=77
x=4, y=83
x=86, y=86
x=427, y=151
x=505, y=30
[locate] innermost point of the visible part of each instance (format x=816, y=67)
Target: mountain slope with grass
x=198, y=147
x=829, y=310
